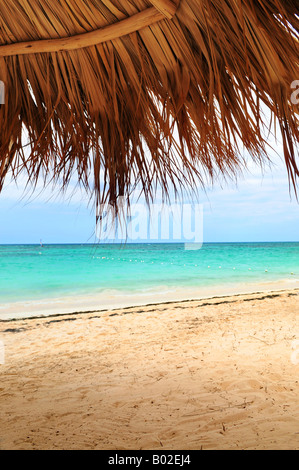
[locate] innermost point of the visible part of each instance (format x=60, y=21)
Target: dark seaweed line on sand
x=60, y=319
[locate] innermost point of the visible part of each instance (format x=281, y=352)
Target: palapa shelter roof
x=144, y=92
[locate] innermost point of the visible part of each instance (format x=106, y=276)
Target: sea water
x=115, y=275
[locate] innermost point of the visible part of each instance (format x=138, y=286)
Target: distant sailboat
x=41, y=243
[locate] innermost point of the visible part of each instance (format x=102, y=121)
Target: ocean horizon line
x=145, y=243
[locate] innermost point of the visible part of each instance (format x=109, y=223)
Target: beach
x=217, y=373
x=149, y=250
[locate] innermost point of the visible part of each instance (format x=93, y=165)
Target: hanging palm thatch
x=148, y=92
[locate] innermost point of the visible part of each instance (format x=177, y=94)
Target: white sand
x=210, y=374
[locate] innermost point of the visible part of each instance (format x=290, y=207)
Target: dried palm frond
x=142, y=92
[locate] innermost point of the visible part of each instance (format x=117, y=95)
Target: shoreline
x=223, y=299
x=87, y=303
x=207, y=301
x=54, y=312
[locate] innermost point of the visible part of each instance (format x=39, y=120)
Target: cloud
x=257, y=207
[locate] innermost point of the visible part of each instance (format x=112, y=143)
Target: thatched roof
x=144, y=91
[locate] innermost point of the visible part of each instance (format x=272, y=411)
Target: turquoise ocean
x=60, y=277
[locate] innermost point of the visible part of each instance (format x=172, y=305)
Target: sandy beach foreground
x=219, y=373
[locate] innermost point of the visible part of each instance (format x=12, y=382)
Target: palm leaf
x=145, y=93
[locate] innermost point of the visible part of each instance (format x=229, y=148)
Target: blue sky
x=259, y=208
